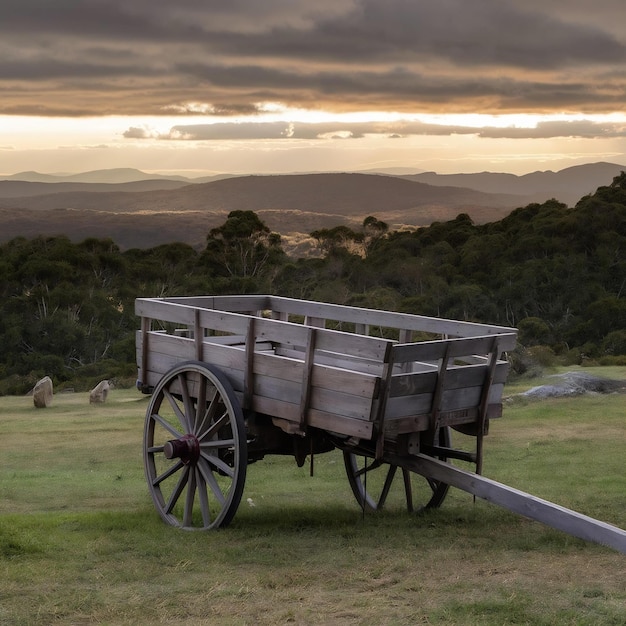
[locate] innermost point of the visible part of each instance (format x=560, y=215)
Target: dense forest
x=556, y=273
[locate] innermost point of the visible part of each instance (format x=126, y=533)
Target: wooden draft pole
x=561, y=518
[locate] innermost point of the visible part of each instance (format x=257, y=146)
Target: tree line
x=556, y=273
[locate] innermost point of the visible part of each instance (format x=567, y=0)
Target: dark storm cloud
x=479, y=32
x=151, y=56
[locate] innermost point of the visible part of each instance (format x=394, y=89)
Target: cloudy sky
x=263, y=86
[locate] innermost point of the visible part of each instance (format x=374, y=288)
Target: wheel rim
x=377, y=485
x=195, y=451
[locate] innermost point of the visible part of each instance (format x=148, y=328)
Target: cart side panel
x=457, y=381
x=340, y=400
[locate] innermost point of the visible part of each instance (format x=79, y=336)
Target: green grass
x=80, y=542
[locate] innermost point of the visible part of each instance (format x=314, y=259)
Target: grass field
x=80, y=541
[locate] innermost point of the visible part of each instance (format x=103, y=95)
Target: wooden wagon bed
x=352, y=371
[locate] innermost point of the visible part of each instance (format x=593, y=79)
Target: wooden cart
x=235, y=378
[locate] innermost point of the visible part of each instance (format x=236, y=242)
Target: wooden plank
x=228, y=340
x=269, y=364
x=386, y=319
x=160, y=310
x=342, y=361
x=183, y=314
x=280, y=367
x=344, y=426
x=553, y=515
x=356, y=383
x=340, y=404
x=457, y=377
x=451, y=400
x=316, y=418
x=328, y=400
x=434, y=350
x=222, y=303
x=417, y=423
x=224, y=322
x=295, y=336
x=162, y=357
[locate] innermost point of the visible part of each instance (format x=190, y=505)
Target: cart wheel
x=194, y=448
x=373, y=484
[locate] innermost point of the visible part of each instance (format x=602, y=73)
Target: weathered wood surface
x=283, y=308
x=340, y=400
x=553, y=515
x=282, y=360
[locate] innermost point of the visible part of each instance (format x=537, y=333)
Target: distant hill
x=291, y=203
x=568, y=185
x=22, y=189
x=113, y=176
x=340, y=194
x=144, y=212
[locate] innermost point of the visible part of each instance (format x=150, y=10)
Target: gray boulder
x=43, y=392
x=575, y=384
x=100, y=392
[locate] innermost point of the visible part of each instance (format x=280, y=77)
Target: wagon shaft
x=553, y=515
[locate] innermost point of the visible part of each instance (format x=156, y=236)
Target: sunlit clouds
x=256, y=87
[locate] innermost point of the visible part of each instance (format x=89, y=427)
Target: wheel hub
x=186, y=448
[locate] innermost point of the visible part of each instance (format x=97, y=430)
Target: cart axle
x=187, y=449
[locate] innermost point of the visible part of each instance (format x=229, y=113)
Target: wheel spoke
x=433, y=484
x=167, y=473
x=215, y=426
x=200, y=406
x=210, y=409
x=207, y=474
x=174, y=404
x=217, y=444
x=408, y=489
x=391, y=472
x=218, y=463
x=202, y=496
x=180, y=485
x=367, y=468
x=189, y=498
x=187, y=404
x=170, y=429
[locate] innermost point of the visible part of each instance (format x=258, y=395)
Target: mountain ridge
x=148, y=212
x=568, y=184
x=331, y=193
